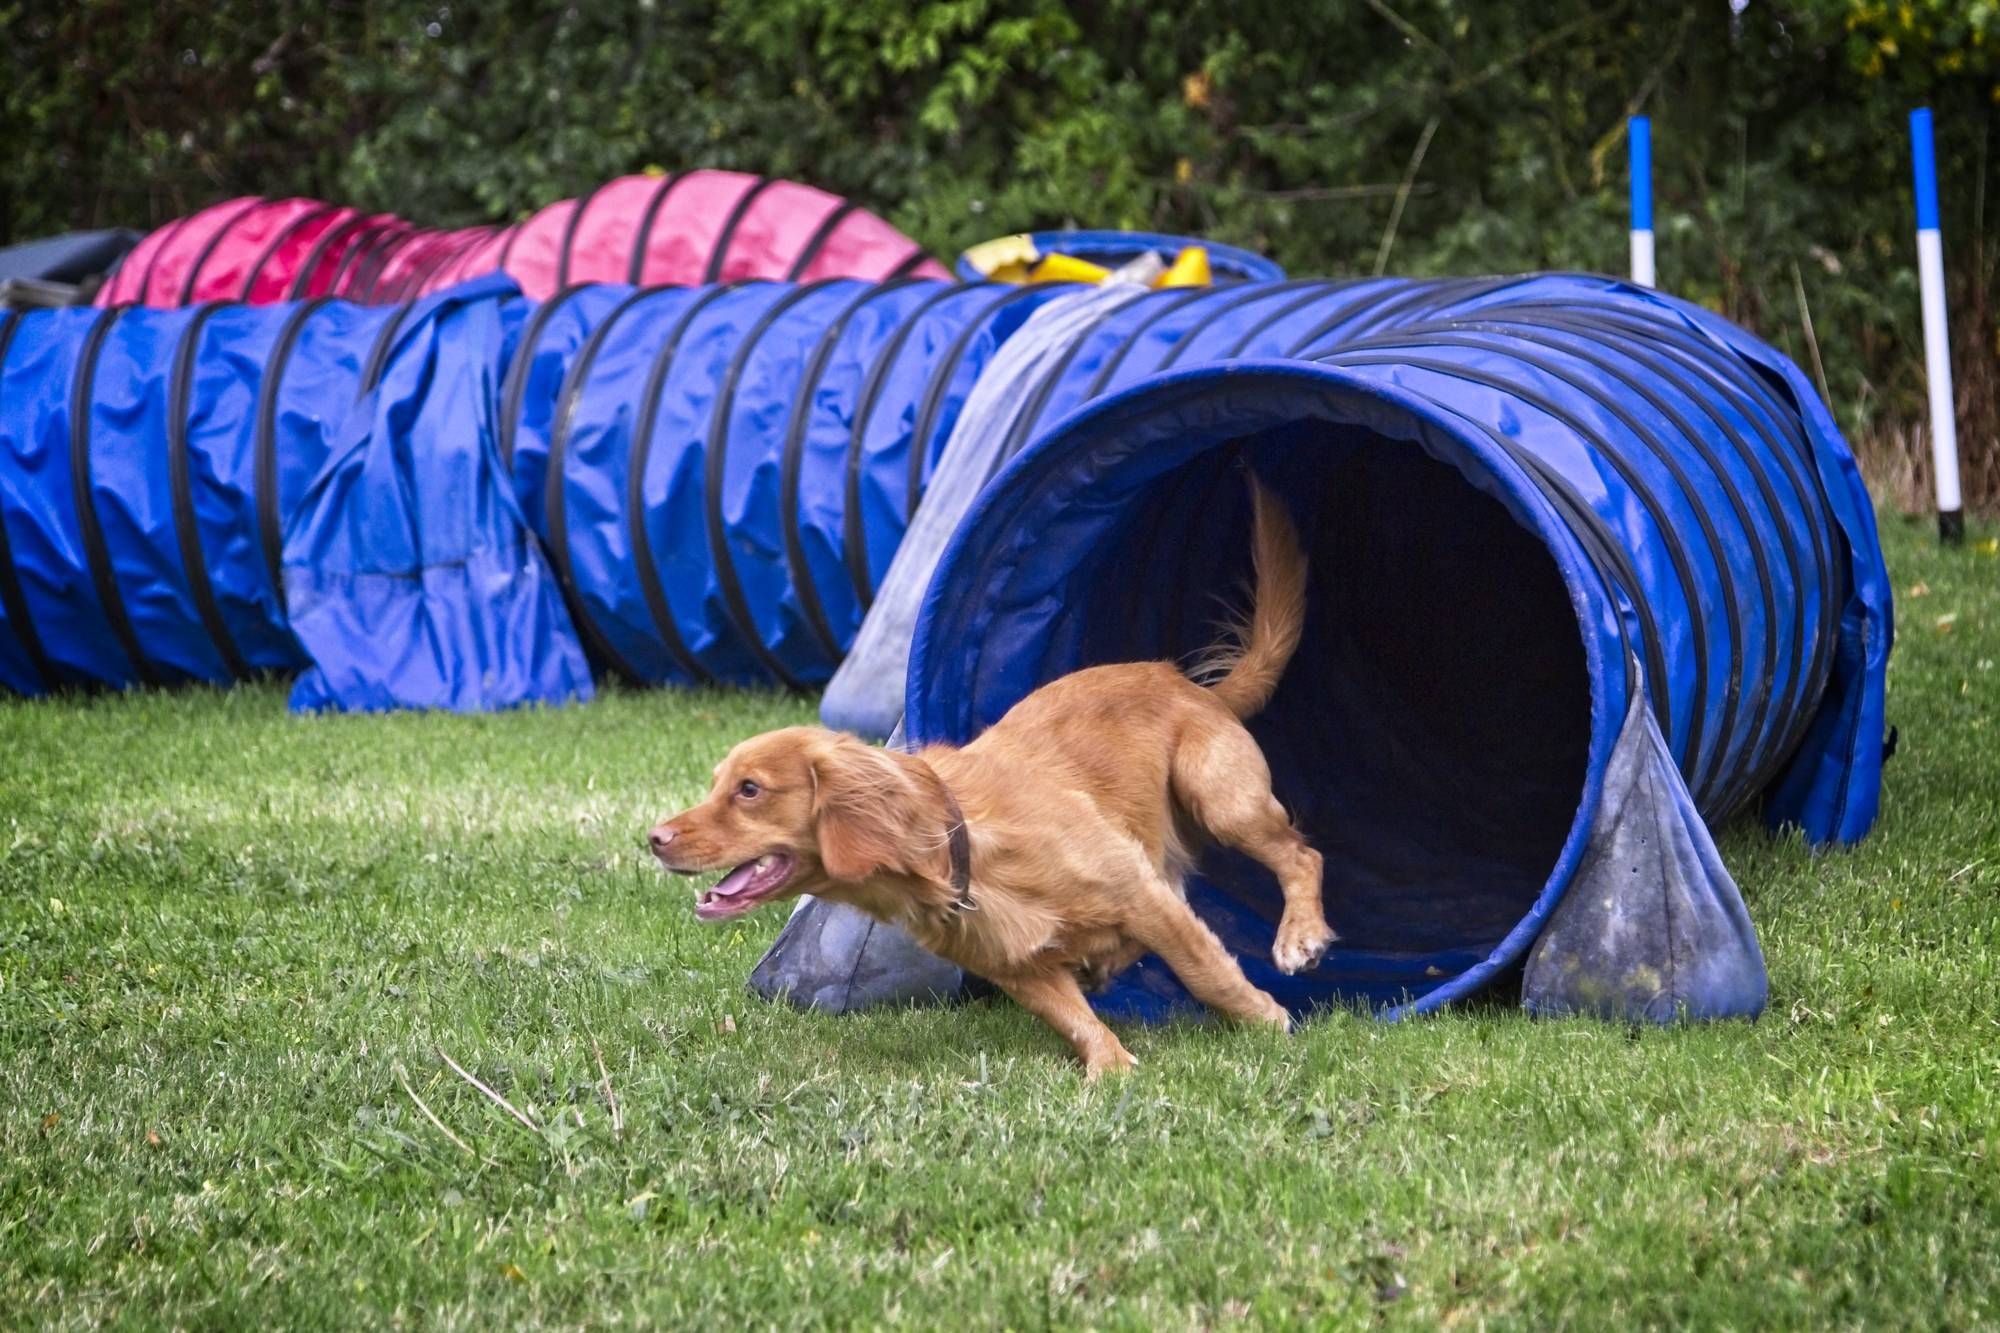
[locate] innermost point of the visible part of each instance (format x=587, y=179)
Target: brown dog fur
x=1078, y=803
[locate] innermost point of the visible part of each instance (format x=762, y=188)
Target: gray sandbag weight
x=1653, y=928
x=837, y=958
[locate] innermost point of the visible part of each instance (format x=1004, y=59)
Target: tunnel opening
x=1433, y=737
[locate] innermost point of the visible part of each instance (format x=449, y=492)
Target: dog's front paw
x=1115, y=1060
x=1301, y=944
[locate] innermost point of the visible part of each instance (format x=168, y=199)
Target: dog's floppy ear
x=868, y=812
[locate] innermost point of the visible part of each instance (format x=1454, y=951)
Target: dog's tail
x=1251, y=664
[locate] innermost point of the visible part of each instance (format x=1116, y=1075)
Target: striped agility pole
x=1937, y=337
x=1639, y=137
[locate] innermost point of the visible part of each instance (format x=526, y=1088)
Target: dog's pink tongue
x=744, y=887
x=735, y=881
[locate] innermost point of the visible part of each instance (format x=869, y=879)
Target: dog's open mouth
x=746, y=886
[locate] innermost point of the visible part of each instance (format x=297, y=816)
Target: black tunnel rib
x=555, y=498
x=1320, y=291
x=1753, y=773
x=356, y=256
x=153, y=260
x=383, y=348
x=389, y=254
x=939, y=388
x=1162, y=309
x=642, y=237
x=514, y=390
x=264, y=448
x=719, y=254
x=1759, y=693
x=96, y=554
x=301, y=282
x=1234, y=299
x=909, y=264
x=643, y=558
x=285, y=233
x=1782, y=433
x=1021, y=429
x=208, y=249
x=817, y=241
x=793, y=459
x=563, y=255
x=1701, y=771
x=716, y=471
x=187, y=528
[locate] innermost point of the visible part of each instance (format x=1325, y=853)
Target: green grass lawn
x=236, y=947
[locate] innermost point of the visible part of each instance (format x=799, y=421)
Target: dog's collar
x=959, y=841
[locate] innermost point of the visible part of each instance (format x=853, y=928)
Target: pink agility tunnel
x=685, y=229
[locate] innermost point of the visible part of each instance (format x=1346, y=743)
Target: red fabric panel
x=234, y=251
x=409, y=264
x=259, y=250
x=335, y=260
x=532, y=260
x=274, y=277
x=686, y=227
x=864, y=246
x=439, y=273
x=778, y=224
x=481, y=257
x=601, y=246
x=177, y=258
x=131, y=275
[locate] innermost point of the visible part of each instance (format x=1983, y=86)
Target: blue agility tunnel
x=1589, y=566
x=149, y=461
x=717, y=477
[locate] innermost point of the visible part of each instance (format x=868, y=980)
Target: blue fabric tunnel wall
x=721, y=474
x=148, y=463
x=1527, y=502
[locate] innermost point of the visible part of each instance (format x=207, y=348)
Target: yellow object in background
x=1018, y=259
x=1068, y=268
x=1189, y=269
x=1004, y=258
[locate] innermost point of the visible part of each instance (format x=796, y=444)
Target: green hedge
x=1286, y=127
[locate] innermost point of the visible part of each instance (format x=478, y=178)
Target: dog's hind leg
x=1056, y=999
x=1168, y=926
x=1221, y=777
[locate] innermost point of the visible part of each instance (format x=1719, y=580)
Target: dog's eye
x=748, y=790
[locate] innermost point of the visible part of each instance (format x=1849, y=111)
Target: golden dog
x=1048, y=854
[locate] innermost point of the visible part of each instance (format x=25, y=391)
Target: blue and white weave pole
x=1639, y=138
x=1937, y=337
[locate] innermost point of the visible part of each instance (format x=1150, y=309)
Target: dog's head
x=801, y=810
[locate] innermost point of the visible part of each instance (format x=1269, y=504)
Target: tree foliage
x=1782, y=166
